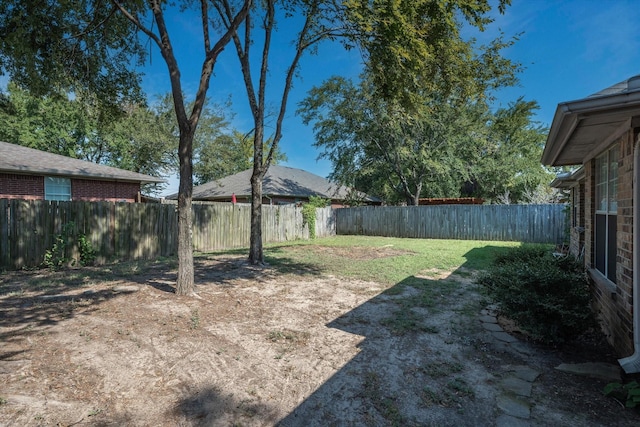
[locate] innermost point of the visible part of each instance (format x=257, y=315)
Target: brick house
x=601, y=134
x=26, y=173
x=281, y=185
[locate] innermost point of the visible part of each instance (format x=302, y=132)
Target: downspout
x=631, y=364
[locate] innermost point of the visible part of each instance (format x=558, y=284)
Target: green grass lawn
x=382, y=259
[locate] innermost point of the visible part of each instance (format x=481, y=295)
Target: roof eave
x=95, y=177
x=568, y=115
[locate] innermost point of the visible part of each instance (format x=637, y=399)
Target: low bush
x=546, y=297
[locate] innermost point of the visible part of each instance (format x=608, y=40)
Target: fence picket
x=127, y=231
x=142, y=231
x=522, y=223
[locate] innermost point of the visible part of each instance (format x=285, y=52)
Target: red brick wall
x=576, y=234
x=90, y=190
x=14, y=186
x=614, y=302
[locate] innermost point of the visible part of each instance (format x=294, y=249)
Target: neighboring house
x=600, y=133
x=26, y=173
x=281, y=185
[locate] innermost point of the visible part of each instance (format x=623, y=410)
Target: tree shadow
x=30, y=303
x=227, y=270
x=210, y=406
x=410, y=368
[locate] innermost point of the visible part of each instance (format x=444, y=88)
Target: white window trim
x=608, y=212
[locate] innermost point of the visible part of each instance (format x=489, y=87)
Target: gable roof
x=278, y=181
x=24, y=160
x=583, y=128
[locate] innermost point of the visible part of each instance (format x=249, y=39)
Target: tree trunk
x=256, y=255
x=185, y=284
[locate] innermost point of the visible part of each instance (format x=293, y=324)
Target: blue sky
x=570, y=49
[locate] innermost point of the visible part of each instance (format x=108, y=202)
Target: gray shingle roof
x=278, y=181
x=630, y=85
x=579, y=126
x=24, y=160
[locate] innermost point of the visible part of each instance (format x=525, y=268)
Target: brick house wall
x=14, y=186
x=614, y=301
x=577, y=220
x=112, y=191
x=31, y=187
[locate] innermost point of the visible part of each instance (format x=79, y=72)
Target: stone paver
x=526, y=373
x=509, y=421
x=493, y=327
x=504, y=337
x=602, y=371
x=517, y=386
x=488, y=319
x=514, y=406
x=523, y=348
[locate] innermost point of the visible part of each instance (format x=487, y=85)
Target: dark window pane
x=600, y=243
x=612, y=248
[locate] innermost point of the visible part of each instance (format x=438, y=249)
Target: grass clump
x=547, y=297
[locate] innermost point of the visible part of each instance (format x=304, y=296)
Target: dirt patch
x=359, y=253
x=260, y=348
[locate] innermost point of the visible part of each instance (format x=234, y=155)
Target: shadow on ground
x=415, y=365
x=210, y=406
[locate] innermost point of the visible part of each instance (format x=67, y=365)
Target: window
x=606, y=205
x=574, y=206
x=57, y=188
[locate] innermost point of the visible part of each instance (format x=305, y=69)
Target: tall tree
x=317, y=21
x=94, y=45
x=507, y=167
x=377, y=146
x=140, y=141
x=406, y=43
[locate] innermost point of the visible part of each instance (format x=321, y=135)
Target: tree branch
x=205, y=25
x=137, y=22
x=212, y=55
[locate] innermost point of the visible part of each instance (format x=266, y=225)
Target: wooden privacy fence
x=522, y=223
x=126, y=231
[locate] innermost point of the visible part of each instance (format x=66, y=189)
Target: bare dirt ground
x=262, y=348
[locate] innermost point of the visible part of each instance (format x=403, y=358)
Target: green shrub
x=58, y=257
x=547, y=297
x=87, y=252
x=309, y=213
x=521, y=254
x=628, y=393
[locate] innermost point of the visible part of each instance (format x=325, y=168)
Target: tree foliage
x=415, y=47
x=506, y=167
x=137, y=138
x=72, y=46
x=441, y=148
x=94, y=46
x=50, y=123
x=411, y=127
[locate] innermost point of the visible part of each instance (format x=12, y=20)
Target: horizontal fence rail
x=128, y=231
x=521, y=223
